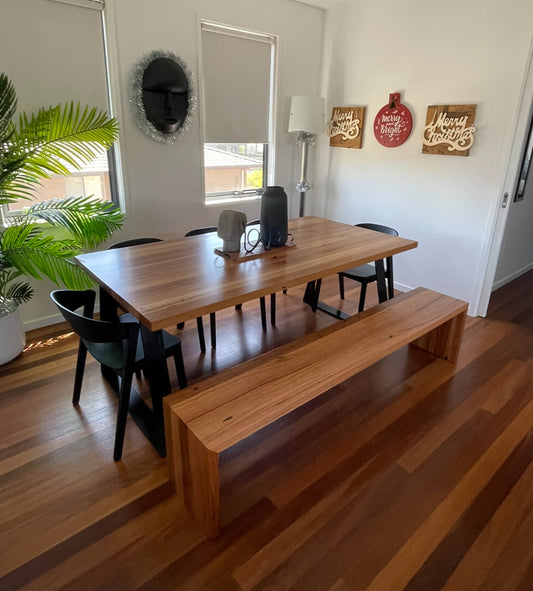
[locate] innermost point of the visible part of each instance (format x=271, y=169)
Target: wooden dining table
x=178, y=279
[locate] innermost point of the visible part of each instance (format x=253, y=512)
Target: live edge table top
x=178, y=279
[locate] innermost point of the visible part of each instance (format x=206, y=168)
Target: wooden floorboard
x=416, y=474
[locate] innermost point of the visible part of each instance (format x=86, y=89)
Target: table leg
x=312, y=293
x=108, y=307
x=157, y=373
x=149, y=421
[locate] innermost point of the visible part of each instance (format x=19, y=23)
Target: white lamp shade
x=307, y=114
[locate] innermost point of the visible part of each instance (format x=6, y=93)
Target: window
x=91, y=180
x=44, y=63
x=235, y=169
x=237, y=94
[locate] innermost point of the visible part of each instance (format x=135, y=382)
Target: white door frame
x=520, y=134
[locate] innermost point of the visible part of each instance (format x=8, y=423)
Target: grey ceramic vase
x=231, y=226
x=274, y=214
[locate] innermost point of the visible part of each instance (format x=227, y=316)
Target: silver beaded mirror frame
x=137, y=102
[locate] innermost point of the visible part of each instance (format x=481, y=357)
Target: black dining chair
x=132, y=242
x=365, y=274
x=116, y=345
x=262, y=300
x=212, y=317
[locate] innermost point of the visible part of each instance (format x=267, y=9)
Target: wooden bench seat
x=219, y=412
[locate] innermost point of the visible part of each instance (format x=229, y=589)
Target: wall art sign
x=345, y=128
x=393, y=123
x=449, y=130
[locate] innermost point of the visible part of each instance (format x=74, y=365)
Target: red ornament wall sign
x=393, y=123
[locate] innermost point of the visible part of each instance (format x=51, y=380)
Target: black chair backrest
x=96, y=333
x=198, y=231
x=132, y=242
x=378, y=228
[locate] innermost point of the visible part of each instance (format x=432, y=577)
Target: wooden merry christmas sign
x=345, y=128
x=393, y=123
x=449, y=130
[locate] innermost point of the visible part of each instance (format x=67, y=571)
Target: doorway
x=516, y=253
x=511, y=251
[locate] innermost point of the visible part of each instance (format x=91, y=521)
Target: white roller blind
x=236, y=86
x=53, y=52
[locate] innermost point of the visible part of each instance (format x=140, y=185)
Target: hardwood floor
x=415, y=474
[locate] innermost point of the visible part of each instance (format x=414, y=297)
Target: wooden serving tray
x=258, y=252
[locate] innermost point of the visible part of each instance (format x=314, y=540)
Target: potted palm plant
x=52, y=141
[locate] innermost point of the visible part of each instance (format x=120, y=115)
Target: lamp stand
x=305, y=139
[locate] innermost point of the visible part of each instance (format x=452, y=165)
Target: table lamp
x=306, y=119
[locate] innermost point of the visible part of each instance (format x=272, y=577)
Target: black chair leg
x=201, y=337
x=238, y=307
x=341, y=286
x=180, y=368
x=273, y=308
x=180, y=325
x=123, y=406
x=80, y=367
x=262, y=304
x=213, y=325
x=362, y=297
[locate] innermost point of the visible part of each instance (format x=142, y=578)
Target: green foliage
x=254, y=178
x=41, y=145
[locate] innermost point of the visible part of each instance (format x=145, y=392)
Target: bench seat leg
x=197, y=479
x=445, y=340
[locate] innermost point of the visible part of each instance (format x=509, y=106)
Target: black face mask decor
x=165, y=94
x=162, y=97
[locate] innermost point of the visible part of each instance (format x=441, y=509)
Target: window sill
x=214, y=201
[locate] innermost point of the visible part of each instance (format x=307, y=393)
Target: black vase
x=274, y=229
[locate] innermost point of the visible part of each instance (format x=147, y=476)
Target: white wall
x=163, y=184
x=458, y=52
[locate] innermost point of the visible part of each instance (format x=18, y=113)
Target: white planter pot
x=12, y=337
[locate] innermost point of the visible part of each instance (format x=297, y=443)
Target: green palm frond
x=53, y=140
x=8, y=105
x=73, y=134
x=26, y=248
x=20, y=292
x=89, y=220
x=12, y=295
x=14, y=185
